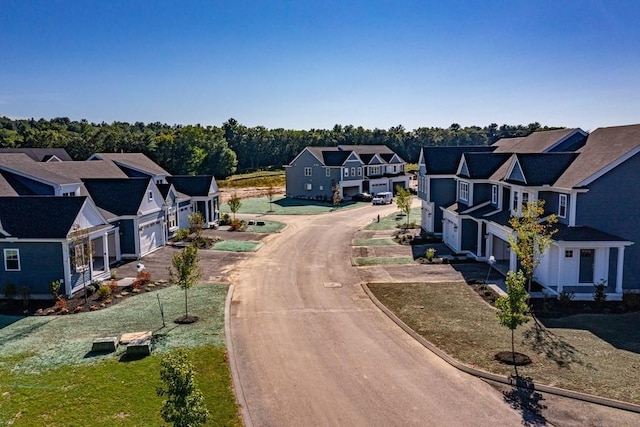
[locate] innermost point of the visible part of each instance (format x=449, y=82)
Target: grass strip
x=374, y=242
x=365, y=261
x=236, y=246
x=592, y=353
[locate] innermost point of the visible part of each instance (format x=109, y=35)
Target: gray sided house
x=136, y=207
x=352, y=168
x=39, y=247
x=591, y=190
x=203, y=194
x=177, y=208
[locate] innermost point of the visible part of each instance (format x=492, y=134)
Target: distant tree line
x=221, y=151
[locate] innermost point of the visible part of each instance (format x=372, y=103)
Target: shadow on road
x=523, y=398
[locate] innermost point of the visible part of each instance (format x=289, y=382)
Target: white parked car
x=383, y=198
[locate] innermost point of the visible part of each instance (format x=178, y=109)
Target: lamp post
x=491, y=261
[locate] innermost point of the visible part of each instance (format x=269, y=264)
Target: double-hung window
x=562, y=206
x=494, y=194
x=12, y=259
x=346, y=172
x=353, y=171
x=359, y=171
x=307, y=171
x=464, y=191
x=327, y=172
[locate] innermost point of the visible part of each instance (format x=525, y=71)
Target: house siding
x=127, y=236
x=443, y=193
x=612, y=205
x=552, y=203
x=481, y=193
x=296, y=181
x=470, y=235
x=40, y=264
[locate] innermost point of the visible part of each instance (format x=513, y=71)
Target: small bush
x=61, y=304
x=104, y=291
x=631, y=301
x=144, y=276
x=238, y=225
x=181, y=235
x=225, y=219
x=9, y=290
x=113, y=285
x=113, y=273
x=430, y=254
x=599, y=292
x=566, y=297
x=54, y=288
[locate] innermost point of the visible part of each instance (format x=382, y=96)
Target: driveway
x=311, y=348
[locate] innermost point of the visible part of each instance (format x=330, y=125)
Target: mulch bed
x=517, y=359
x=77, y=304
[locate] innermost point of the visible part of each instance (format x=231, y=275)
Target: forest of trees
x=232, y=147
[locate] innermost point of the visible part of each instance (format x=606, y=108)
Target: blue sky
x=311, y=64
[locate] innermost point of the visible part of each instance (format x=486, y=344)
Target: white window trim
x=561, y=204
x=360, y=171
x=327, y=172
x=150, y=195
x=463, y=193
x=307, y=171
x=346, y=172
x=568, y=253
x=494, y=194
x=353, y=171
x=308, y=186
x=17, y=251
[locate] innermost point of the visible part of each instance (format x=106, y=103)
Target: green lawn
x=592, y=353
x=255, y=179
x=287, y=206
x=364, y=261
x=391, y=222
x=236, y=246
x=49, y=377
x=374, y=242
x=268, y=227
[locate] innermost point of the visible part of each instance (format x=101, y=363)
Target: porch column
x=105, y=251
x=559, y=269
x=620, y=270
x=479, y=253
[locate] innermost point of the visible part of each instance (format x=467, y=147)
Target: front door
x=586, y=266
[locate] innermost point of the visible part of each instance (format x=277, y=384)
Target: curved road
x=311, y=348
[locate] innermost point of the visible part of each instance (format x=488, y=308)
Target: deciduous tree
x=513, y=307
x=184, y=406
x=184, y=272
x=403, y=201
x=234, y=205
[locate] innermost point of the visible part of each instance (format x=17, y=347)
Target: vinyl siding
x=612, y=205
x=443, y=194
x=40, y=264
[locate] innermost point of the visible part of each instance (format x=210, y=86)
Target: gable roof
x=39, y=223
x=21, y=164
x=583, y=234
x=482, y=165
x=119, y=196
x=198, y=185
x=40, y=154
x=367, y=149
x=335, y=158
x=537, y=142
x=137, y=161
x=605, y=148
x=6, y=190
x=543, y=168
x=78, y=170
x=445, y=160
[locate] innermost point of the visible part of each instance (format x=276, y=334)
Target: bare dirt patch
x=246, y=193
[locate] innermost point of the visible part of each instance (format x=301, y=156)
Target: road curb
x=612, y=403
x=233, y=363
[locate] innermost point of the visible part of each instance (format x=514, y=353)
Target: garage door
x=151, y=236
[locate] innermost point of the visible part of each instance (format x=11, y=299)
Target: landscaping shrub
x=631, y=302
x=181, y=235
x=225, y=219
x=113, y=273
x=430, y=254
x=599, y=292
x=9, y=290
x=104, y=291
x=238, y=225
x=54, y=287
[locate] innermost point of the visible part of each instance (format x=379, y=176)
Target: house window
x=525, y=198
x=515, y=202
x=321, y=188
x=69, y=194
x=307, y=171
x=374, y=170
x=172, y=220
x=494, y=194
x=568, y=253
x=346, y=172
x=360, y=171
x=308, y=187
x=562, y=206
x=353, y=171
x=464, y=191
x=12, y=259
x=327, y=172
x=150, y=196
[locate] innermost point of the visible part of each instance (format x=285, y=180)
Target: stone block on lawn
x=105, y=345
x=139, y=348
x=134, y=336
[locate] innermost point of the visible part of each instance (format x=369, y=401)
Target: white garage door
x=183, y=217
x=151, y=236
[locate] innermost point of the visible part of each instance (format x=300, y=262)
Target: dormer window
x=525, y=198
x=463, y=192
x=494, y=194
x=514, y=206
x=562, y=206
x=150, y=195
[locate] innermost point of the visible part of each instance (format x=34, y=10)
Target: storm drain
x=332, y=284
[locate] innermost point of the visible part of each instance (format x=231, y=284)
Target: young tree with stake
x=184, y=273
